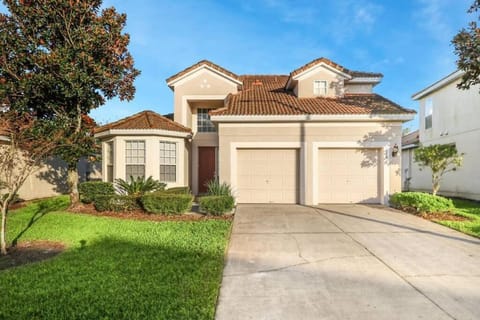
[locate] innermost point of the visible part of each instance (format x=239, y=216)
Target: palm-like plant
x=139, y=186
x=215, y=188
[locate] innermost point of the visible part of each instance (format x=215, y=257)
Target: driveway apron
x=347, y=262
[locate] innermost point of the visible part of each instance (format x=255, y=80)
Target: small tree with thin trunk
x=440, y=158
x=24, y=143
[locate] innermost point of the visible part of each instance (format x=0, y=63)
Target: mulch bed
x=141, y=215
x=444, y=216
x=29, y=252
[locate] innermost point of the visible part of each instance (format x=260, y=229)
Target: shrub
x=215, y=188
x=420, y=202
x=216, y=205
x=139, y=186
x=91, y=189
x=177, y=190
x=160, y=202
x=117, y=203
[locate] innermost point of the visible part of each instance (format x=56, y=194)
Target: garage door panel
x=267, y=175
x=348, y=176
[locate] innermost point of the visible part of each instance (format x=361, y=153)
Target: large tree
x=467, y=48
x=60, y=59
x=24, y=143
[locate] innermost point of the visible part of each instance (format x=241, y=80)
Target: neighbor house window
x=168, y=161
x=109, y=155
x=428, y=113
x=204, y=124
x=320, y=87
x=135, y=159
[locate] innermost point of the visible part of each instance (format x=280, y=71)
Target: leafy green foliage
x=59, y=60
x=90, y=190
x=216, y=205
x=468, y=209
x=116, y=268
x=117, y=203
x=159, y=202
x=420, y=202
x=440, y=158
x=467, y=48
x=139, y=186
x=215, y=188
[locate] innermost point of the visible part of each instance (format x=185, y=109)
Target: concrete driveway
x=347, y=262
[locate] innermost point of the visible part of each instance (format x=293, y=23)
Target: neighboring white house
x=316, y=135
x=447, y=115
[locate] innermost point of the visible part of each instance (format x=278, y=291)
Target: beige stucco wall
x=358, y=88
x=152, y=156
x=51, y=178
x=305, y=137
x=304, y=87
x=202, y=85
x=455, y=119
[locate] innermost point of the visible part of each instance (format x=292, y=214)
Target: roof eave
x=171, y=83
x=439, y=84
x=142, y=132
x=403, y=117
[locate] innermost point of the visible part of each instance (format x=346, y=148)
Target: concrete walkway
x=347, y=262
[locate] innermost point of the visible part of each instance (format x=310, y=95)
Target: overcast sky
x=406, y=40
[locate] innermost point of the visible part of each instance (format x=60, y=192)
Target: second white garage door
x=267, y=175
x=348, y=176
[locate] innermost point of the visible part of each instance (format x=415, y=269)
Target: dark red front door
x=206, y=167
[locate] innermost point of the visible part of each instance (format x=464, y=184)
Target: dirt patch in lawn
x=444, y=216
x=29, y=252
x=141, y=215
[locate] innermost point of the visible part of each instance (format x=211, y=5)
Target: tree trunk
x=435, y=185
x=73, y=185
x=3, y=241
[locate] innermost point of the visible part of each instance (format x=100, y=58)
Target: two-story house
x=448, y=115
x=317, y=135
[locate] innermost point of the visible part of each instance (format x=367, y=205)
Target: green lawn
x=469, y=209
x=113, y=268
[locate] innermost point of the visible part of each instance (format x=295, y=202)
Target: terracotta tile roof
x=265, y=95
x=336, y=66
x=199, y=64
x=144, y=120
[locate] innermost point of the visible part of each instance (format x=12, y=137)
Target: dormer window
x=320, y=88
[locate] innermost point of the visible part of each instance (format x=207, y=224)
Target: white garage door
x=267, y=176
x=348, y=176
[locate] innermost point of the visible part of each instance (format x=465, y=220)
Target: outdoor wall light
x=394, y=150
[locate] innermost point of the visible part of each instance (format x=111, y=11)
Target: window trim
x=110, y=162
x=428, y=116
x=318, y=94
x=127, y=163
x=162, y=163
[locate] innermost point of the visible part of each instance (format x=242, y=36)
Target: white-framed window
x=168, y=161
x=134, y=159
x=320, y=88
x=109, y=160
x=204, y=124
x=428, y=113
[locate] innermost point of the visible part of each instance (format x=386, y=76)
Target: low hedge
x=117, y=203
x=91, y=189
x=216, y=205
x=166, y=203
x=420, y=202
x=177, y=190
